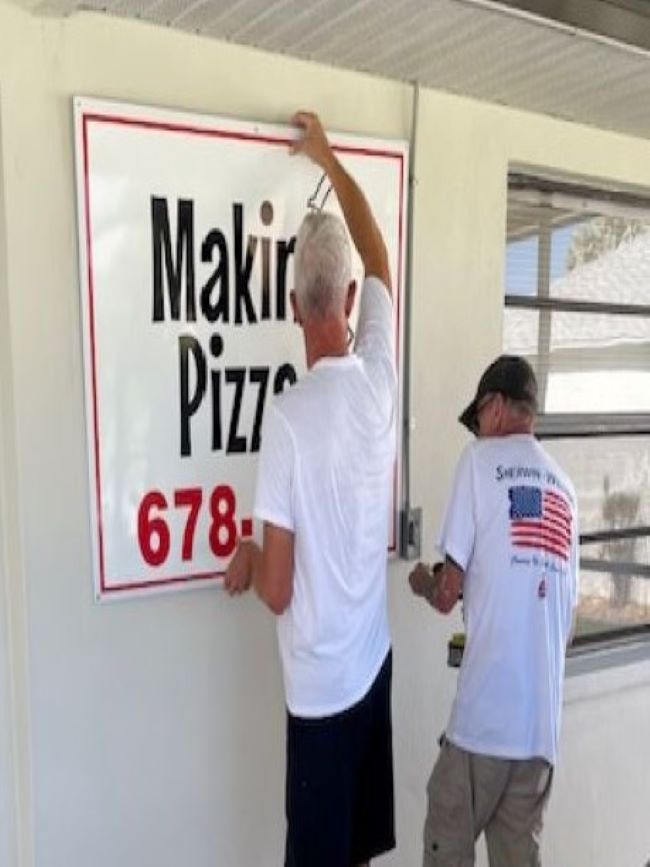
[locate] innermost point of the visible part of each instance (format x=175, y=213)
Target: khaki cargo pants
x=470, y=793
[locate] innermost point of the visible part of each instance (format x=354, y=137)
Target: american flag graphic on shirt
x=540, y=520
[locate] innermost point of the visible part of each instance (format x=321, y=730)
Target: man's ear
x=294, y=307
x=351, y=295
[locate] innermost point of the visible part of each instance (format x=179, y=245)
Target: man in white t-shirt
x=323, y=493
x=509, y=541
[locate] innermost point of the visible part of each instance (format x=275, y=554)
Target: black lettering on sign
x=193, y=390
x=232, y=262
x=243, y=266
x=284, y=250
x=216, y=348
x=259, y=376
x=169, y=266
x=236, y=376
x=285, y=374
x=266, y=216
x=217, y=307
x=190, y=353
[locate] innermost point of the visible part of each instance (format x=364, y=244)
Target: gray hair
x=322, y=264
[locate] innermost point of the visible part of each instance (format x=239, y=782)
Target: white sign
x=186, y=232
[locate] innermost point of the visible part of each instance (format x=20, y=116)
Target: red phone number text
x=154, y=534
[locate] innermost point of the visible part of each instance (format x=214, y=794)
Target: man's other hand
x=239, y=573
x=420, y=579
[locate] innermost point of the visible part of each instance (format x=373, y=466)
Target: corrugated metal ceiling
x=472, y=47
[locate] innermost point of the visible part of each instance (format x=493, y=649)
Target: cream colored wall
x=155, y=728
x=8, y=836
x=15, y=767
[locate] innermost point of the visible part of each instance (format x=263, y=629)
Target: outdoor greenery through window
x=577, y=305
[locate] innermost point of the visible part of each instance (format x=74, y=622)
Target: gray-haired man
x=323, y=493
x=510, y=542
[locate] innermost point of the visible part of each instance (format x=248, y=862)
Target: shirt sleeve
x=375, y=331
x=276, y=471
x=456, y=538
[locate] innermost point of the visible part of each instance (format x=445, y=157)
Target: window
x=577, y=305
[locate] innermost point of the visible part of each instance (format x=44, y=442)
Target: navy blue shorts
x=339, y=790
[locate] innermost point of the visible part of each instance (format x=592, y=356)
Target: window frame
x=543, y=191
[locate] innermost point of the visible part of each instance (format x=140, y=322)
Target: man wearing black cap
x=509, y=541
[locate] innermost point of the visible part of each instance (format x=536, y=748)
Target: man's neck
x=325, y=338
x=514, y=428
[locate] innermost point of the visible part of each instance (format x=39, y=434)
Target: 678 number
x=154, y=535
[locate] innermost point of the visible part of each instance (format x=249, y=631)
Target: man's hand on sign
x=313, y=142
x=269, y=569
x=239, y=574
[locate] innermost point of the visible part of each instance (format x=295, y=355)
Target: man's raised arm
x=359, y=218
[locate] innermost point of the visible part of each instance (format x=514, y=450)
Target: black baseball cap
x=510, y=375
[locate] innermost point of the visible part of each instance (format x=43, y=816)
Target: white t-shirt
x=511, y=525
x=325, y=472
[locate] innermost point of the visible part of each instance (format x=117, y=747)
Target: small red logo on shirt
x=541, y=589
